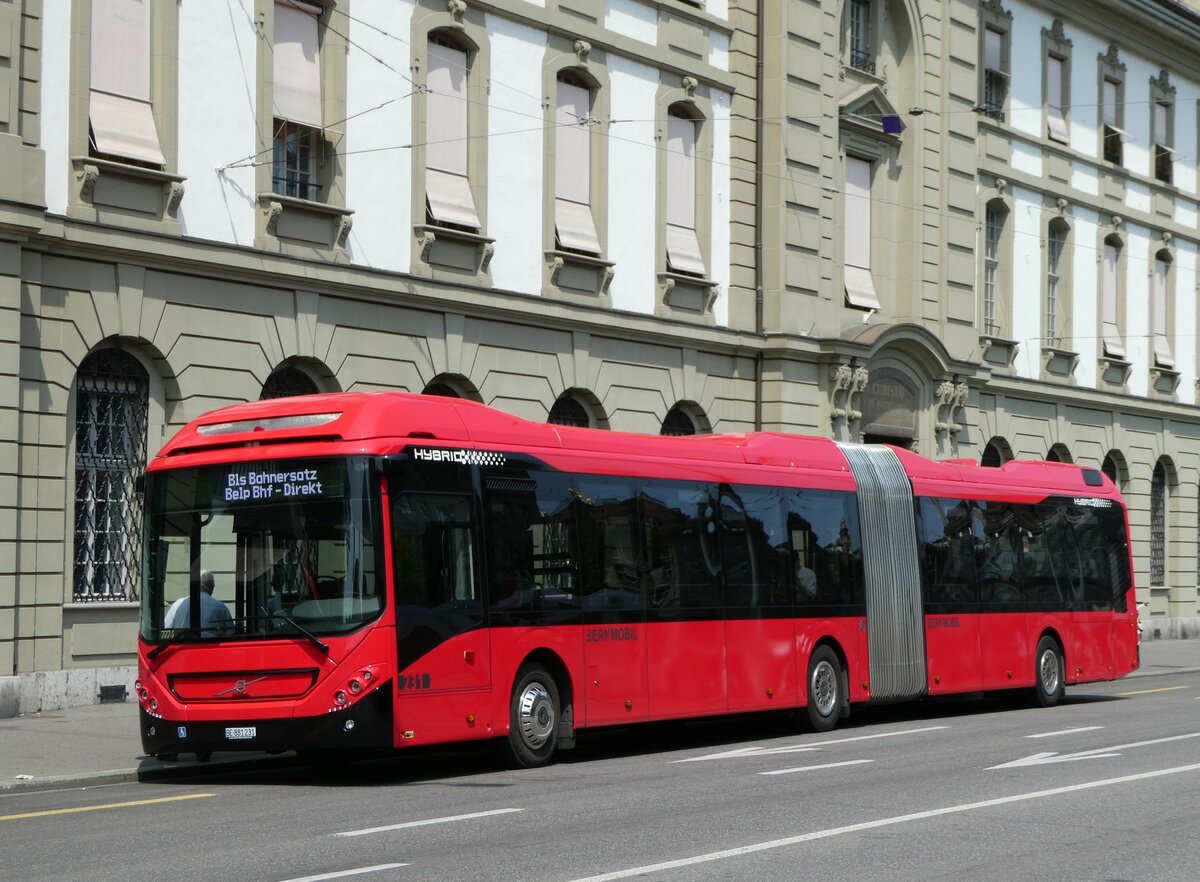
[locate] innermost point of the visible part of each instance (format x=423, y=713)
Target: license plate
x=240, y=733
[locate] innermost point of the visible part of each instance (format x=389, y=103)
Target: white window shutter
x=1055, y=123
x=1114, y=346
x=446, y=108
x=119, y=108
x=1163, y=357
x=297, y=66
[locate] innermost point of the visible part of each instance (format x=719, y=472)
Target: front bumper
x=367, y=724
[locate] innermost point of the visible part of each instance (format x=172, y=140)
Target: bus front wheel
x=825, y=684
x=1048, y=680
x=534, y=714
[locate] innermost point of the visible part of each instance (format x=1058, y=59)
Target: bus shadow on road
x=451, y=765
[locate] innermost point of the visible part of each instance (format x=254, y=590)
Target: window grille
x=677, y=422
x=569, y=412
x=1158, y=526
x=286, y=382
x=112, y=408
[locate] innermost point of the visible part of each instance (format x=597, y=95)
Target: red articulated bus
x=379, y=570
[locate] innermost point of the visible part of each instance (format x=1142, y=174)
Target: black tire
x=534, y=713
x=826, y=683
x=1049, y=673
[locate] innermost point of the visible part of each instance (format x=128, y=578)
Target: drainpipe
x=759, y=128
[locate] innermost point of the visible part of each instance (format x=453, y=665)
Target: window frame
x=994, y=18
x=1162, y=130
x=1056, y=47
x=1112, y=134
x=1057, y=297
x=1161, y=308
x=1112, y=297
x=995, y=275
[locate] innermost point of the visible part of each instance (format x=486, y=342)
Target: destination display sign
x=279, y=482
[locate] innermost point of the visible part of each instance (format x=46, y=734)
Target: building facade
x=965, y=227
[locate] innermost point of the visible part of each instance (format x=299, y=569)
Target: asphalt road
x=1104, y=787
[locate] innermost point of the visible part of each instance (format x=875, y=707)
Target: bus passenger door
x=613, y=600
x=440, y=639
x=950, y=534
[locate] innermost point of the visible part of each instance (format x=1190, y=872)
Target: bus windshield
x=276, y=548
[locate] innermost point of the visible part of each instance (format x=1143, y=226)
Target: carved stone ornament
x=1056, y=34
x=274, y=212
x=1112, y=58
x=344, y=227
x=174, y=197
x=690, y=84
x=486, y=253
x=951, y=399
x=1117, y=221
x=609, y=272
x=457, y=10
x=88, y=175
x=1001, y=185
x=582, y=49
x=1163, y=83
x=996, y=9
x=556, y=268
x=847, y=383
x=425, y=245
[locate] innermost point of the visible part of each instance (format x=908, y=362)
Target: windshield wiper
x=308, y=635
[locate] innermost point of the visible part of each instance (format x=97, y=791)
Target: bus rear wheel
x=825, y=684
x=1048, y=681
x=534, y=714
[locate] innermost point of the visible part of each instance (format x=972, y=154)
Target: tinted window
x=950, y=535
x=531, y=543
x=1000, y=563
x=826, y=549
x=611, y=571
x=1088, y=549
x=754, y=551
x=679, y=530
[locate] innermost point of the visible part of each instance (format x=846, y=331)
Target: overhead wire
x=735, y=164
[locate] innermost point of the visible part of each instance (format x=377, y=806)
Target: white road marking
x=1065, y=732
x=1041, y=759
x=428, y=821
x=797, y=748
x=341, y=874
x=881, y=822
x=811, y=768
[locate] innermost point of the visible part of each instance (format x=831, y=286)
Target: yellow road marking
x=96, y=808
x=1148, y=691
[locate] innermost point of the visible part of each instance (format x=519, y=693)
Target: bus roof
x=385, y=422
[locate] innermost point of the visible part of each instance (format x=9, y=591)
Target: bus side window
x=432, y=549
x=532, y=560
x=611, y=571
x=754, y=553
x=826, y=547
x=949, y=546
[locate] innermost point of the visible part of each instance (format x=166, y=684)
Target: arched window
x=1059, y=453
x=111, y=411
x=1158, y=526
x=677, y=422
x=285, y=382
x=1056, y=243
x=569, y=412
x=684, y=254
x=996, y=454
x=994, y=293
x=443, y=390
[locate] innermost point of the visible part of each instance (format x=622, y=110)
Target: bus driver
x=215, y=619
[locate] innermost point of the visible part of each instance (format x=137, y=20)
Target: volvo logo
x=239, y=688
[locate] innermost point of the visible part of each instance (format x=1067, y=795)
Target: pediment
x=865, y=108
